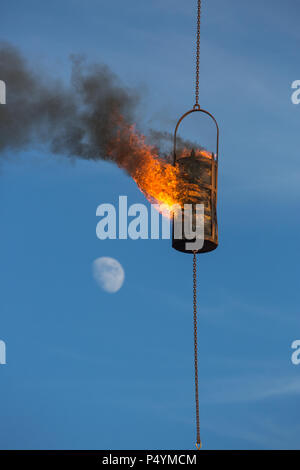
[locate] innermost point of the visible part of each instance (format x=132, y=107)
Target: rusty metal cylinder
x=198, y=170
x=198, y=173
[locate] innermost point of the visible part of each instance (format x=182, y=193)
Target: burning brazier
x=199, y=171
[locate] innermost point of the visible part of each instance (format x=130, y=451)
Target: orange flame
x=186, y=152
x=160, y=181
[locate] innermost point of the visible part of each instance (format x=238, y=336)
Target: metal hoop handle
x=196, y=109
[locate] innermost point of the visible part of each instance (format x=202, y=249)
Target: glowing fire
x=186, y=152
x=160, y=181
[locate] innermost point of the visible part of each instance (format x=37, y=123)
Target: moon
x=108, y=273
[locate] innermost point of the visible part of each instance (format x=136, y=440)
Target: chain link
x=198, y=443
x=197, y=106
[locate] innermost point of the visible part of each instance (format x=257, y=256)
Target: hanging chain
x=197, y=106
x=198, y=443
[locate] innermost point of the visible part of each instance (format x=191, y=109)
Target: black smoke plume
x=81, y=119
x=77, y=120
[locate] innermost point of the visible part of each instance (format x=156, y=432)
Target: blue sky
x=86, y=369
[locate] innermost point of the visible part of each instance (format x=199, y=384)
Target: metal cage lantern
x=198, y=171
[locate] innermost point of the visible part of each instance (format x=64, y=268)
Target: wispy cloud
x=249, y=388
